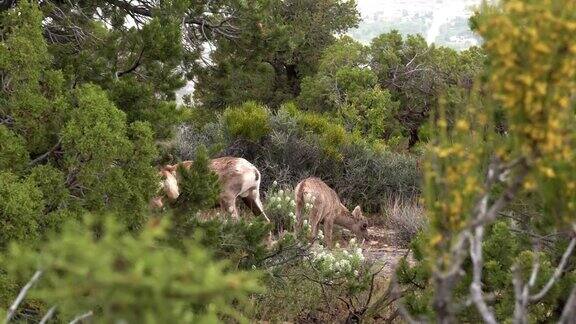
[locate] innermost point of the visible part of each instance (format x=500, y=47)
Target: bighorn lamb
x=237, y=177
x=327, y=209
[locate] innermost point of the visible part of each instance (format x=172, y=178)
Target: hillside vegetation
x=462, y=161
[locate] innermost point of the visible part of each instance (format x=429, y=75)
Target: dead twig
x=81, y=317
x=48, y=315
x=21, y=295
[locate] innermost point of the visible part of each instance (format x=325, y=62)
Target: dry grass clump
x=406, y=217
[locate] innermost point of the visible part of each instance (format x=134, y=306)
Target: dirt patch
x=382, y=251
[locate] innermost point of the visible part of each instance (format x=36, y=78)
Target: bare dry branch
x=48, y=315
x=557, y=273
x=133, y=67
x=45, y=155
x=81, y=317
x=520, y=314
x=476, y=285
x=569, y=312
x=21, y=295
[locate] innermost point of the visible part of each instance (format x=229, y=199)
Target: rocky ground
x=381, y=249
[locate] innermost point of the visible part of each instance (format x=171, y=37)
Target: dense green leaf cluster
x=249, y=121
x=281, y=43
x=100, y=267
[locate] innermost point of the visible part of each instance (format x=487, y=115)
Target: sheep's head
x=360, y=227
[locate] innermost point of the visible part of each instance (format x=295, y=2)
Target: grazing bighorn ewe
x=237, y=177
x=327, y=208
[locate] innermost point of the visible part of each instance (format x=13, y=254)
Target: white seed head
x=275, y=183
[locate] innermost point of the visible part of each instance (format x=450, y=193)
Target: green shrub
x=249, y=121
x=331, y=135
x=313, y=282
x=190, y=138
x=199, y=189
x=304, y=144
x=289, y=298
x=242, y=244
x=13, y=153
x=130, y=278
x=21, y=207
x=50, y=181
x=139, y=102
x=199, y=186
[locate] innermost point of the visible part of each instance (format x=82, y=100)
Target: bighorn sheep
x=237, y=177
x=327, y=208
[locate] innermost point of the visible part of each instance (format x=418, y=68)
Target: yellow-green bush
x=250, y=121
x=332, y=135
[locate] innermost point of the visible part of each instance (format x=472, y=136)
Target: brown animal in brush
x=237, y=177
x=327, y=209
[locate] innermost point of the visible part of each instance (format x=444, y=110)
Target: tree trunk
x=443, y=303
x=293, y=79
x=286, y=78
x=414, y=137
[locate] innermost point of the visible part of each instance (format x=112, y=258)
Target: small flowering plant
x=340, y=264
x=281, y=208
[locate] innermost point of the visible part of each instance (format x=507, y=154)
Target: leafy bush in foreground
x=122, y=277
x=486, y=261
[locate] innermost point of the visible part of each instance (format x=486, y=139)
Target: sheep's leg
x=314, y=228
x=299, y=207
x=228, y=205
x=252, y=200
x=328, y=225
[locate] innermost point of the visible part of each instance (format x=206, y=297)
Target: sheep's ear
x=357, y=212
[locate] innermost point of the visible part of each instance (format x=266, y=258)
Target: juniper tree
x=73, y=148
x=279, y=43
x=346, y=87
x=418, y=75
